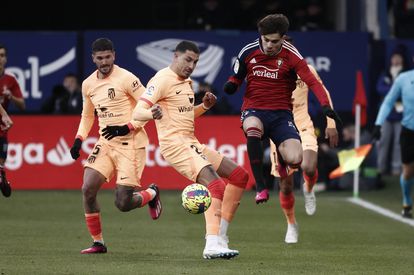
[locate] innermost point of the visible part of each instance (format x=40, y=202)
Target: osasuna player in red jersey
x=270, y=66
x=9, y=91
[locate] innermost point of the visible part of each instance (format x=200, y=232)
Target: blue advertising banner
x=39, y=61
x=336, y=56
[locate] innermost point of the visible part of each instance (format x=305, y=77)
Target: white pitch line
x=381, y=210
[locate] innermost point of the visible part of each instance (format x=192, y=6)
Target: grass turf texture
x=42, y=232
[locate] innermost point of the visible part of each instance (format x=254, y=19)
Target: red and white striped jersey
x=272, y=79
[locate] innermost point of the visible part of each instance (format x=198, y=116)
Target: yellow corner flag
x=350, y=160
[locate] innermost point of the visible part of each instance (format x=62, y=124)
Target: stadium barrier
x=39, y=157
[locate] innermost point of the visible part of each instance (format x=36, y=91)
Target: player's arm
x=307, y=76
x=135, y=89
x=15, y=95
x=387, y=105
x=7, y=123
x=85, y=125
x=331, y=133
x=209, y=99
x=234, y=81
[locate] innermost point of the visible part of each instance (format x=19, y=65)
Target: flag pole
x=357, y=144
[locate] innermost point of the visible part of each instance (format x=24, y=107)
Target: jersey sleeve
x=15, y=89
x=330, y=123
x=135, y=89
x=239, y=71
x=88, y=115
x=389, y=100
x=308, y=77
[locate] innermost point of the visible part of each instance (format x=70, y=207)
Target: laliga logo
x=36, y=71
x=158, y=55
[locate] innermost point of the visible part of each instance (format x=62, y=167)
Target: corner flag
x=350, y=160
x=360, y=98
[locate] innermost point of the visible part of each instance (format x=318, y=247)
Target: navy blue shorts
x=407, y=145
x=278, y=124
x=3, y=147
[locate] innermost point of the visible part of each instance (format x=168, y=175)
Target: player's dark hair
x=187, y=45
x=273, y=23
x=102, y=44
x=3, y=47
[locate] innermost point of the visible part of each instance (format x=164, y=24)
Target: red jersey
x=8, y=82
x=272, y=79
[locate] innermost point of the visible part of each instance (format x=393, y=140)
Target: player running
x=112, y=92
x=309, y=164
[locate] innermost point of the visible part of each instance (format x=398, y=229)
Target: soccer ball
x=196, y=198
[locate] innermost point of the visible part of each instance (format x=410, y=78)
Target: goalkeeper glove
x=327, y=111
x=74, y=151
x=114, y=131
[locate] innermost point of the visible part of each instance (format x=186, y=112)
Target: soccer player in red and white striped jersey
x=9, y=92
x=270, y=65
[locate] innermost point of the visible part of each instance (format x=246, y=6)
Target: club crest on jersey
x=279, y=62
x=111, y=93
x=150, y=90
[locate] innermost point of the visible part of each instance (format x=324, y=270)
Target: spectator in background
x=403, y=11
x=209, y=15
x=9, y=91
x=388, y=147
x=66, y=98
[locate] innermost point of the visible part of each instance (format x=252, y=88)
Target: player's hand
x=332, y=135
x=209, y=99
x=74, y=151
x=156, y=111
x=230, y=87
x=327, y=111
x=7, y=93
x=376, y=133
x=109, y=132
x=7, y=123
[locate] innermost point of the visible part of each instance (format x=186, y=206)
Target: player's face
x=104, y=61
x=186, y=63
x=271, y=43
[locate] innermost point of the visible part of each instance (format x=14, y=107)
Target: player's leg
x=216, y=186
x=310, y=176
x=130, y=164
x=253, y=129
x=98, y=170
x=4, y=183
x=284, y=134
x=407, y=175
x=287, y=202
x=92, y=182
x=237, y=180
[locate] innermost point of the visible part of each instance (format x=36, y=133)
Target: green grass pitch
x=42, y=232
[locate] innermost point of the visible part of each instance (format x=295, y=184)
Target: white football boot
x=215, y=250
x=310, y=201
x=292, y=234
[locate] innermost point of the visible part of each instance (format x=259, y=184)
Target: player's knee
x=239, y=177
x=89, y=195
x=216, y=188
x=123, y=205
